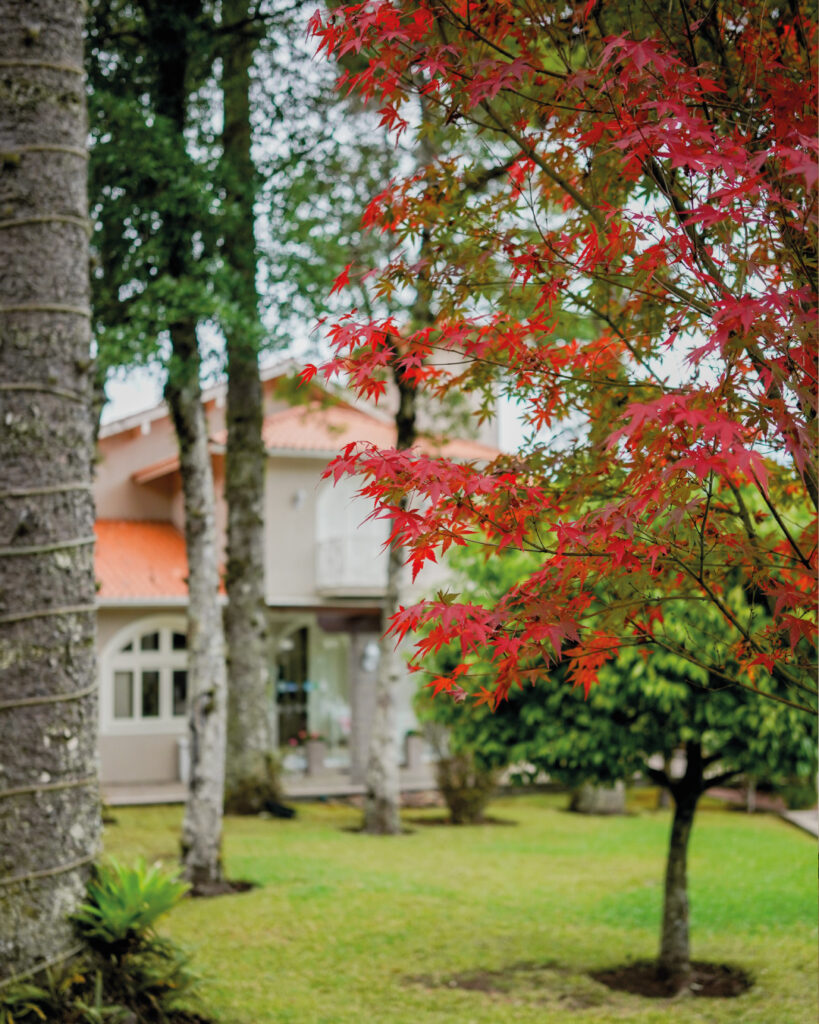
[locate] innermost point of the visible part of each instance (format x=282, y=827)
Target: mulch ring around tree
x=223, y=888
x=550, y=984
x=444, y=819
x=716, y=981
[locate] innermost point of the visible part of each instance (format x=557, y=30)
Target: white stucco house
x=324, y=576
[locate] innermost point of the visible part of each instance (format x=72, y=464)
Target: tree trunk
x=675, y=955
x=383, y=781
x=381, y=815
x=594, y=799
x=250, y=774
x=207, y=711
x=664, y=794
x=172, y=27
x=49, y=799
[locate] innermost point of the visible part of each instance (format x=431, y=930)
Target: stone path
x=806, y=820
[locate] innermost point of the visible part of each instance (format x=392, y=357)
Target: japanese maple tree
x=663, y=181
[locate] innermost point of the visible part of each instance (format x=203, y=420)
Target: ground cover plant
x=483, y=924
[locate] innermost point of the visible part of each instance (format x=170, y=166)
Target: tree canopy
x=663, y=181
x=647, y=715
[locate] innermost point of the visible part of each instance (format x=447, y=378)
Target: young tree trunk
x=674, y=960
x=381, y=815
x=172, y=27
x=207, y=711
x=49, y=800
x=250, y=774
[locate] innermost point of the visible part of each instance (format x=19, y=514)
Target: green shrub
x=466, y=787
x=69, y=994
x=125, y=902
x=126, y=972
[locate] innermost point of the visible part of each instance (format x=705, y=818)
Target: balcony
x=351, y=566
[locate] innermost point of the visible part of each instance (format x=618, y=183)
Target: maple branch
x=470, y=28
x=591, y=308
x=776, y=670
x=533, y=155
x=781, y=524
x=705, y=521
x=721, y=674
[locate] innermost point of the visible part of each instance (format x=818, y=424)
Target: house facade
x=325, y=573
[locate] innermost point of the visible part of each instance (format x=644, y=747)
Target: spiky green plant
x=125, y=901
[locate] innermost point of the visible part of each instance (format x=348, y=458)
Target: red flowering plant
x=661, y=182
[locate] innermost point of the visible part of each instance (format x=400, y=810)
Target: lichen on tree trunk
x=381, y=805
x=207, y=712
x=381, y=816
x=49, y=799
x=172, y=30
x=250, y=770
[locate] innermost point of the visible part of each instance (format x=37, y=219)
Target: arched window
x=145, y=675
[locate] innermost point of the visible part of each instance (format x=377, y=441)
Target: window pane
x=128, y=647
x=149, y=642
x=123, y=695
x=180, y=691
x=150, y=694
x=180, y=642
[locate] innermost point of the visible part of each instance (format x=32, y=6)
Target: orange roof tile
x=313, y=428
x=140, y=560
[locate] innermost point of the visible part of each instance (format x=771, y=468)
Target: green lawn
x=351, y=929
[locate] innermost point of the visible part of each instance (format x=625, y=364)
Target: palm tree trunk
x=49, y=799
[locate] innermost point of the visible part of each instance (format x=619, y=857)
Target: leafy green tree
x=153, y=287
x=647, y=710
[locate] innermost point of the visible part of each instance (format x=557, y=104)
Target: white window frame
x=165, y=661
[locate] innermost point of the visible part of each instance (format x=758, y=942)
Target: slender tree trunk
x=664, y=795
x=381, y=807
x=49, y=800
x=381, y=815
x=207, y=712
x=250, y=775
x=674, y=960
x=171, y=27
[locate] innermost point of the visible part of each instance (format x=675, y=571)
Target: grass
x=348, y=928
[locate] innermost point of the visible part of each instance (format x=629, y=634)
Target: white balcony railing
x=351, y=565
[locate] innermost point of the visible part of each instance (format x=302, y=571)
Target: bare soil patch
x=444, y=819
x=714, y=981
x=223, y=888
x=549, y=983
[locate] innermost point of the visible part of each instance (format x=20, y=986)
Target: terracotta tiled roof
x=140, y=560
x=312, y=428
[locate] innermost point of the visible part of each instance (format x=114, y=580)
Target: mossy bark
x=171, y=28
x=49, y=798
x=207, y=711
x=251, y=778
